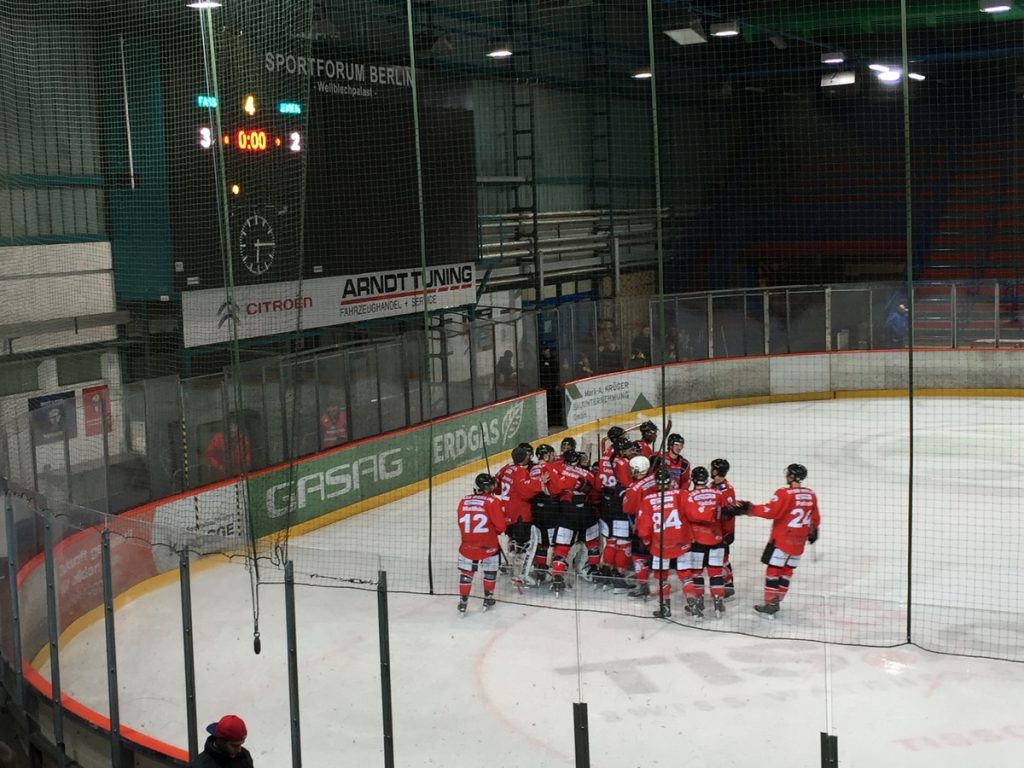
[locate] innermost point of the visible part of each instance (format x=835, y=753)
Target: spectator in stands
x=333, y=426
x=504, y=372
x=640, y=349
x=228, y=454
x=896, y=324
x=609, y=355
x=223, y=747
x=584, y=368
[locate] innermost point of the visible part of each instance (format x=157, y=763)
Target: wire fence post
x=385, y=668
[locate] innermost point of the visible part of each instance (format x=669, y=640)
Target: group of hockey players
x=627, y=521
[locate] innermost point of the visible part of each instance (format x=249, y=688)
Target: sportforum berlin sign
x=263, y=310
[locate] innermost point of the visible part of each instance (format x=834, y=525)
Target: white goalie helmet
x=639, y=466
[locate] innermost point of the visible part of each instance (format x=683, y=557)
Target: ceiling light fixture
x=916, y=76
x=692, y=34
x=890, y=76
x=838, y=78
x=725, y=29
x=836, y=57
x=878, y=67
x=995, y=6
x=642, y=74
x=204, y=5
x=500, y=50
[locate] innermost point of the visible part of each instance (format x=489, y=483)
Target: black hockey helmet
x=567, y=444
x=663, y=478
x=614, y=433
x=622, y=444
x=571, y=458
x=520, y=455
x=797, y=472
x=545, y=451
x=648, y=428
x=675, y=438
x=699, y=475
x=526, y=447
x=720, y=467
x=484, y=483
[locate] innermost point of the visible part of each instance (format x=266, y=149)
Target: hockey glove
x=739, y=508
x=812, y=536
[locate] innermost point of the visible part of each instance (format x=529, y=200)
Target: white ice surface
x=497, y=688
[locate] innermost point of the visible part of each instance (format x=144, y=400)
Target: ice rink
x=497, y=688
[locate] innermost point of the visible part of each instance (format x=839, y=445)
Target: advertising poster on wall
x=96, y=408
x=53, y=417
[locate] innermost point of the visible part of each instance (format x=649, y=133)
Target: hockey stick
x=503, y=558
x=662, y=572
x=602, y=440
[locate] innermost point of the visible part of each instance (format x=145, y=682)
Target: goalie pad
x=522, y=559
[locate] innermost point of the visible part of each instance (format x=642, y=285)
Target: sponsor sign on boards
x=263, y=310
x=325, y=483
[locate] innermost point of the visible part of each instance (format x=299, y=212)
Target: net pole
x=187, y=638
x=659, y=234
x=424, y=359
x=12, y=584
x=909, y=235
x=53, y=635
x=293, y=662
x=384, y=637
x=111, y=643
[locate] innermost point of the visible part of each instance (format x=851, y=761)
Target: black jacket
x=210, y=757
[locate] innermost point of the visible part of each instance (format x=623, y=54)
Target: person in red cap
x=223, y=747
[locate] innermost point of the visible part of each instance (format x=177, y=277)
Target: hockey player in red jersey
x=794, y=510
x=517, y=488
x=567, y=445
x=678, y=467
x=719, y=469
x=662, y=527
x=607, y=447
x=545, y=508
x=481, y=517
x=642, y=484
x=576, y=520
x=703, y=508
x=648, y=438
x=614, y=475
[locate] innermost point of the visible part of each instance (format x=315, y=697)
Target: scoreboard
x=308, y=172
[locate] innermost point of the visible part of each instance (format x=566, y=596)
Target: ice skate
x=640, y=592
x=730, y=592
x=600, y=578
x=538, y=577
x=489, y=602
x=558, y=585
x=769, y=609
x=590, y=573
x=695, y=608
x=463, y=602
x=664, y=611
x=618, y=585
x=719, y=607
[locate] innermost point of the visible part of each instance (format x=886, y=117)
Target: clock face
x=256, y=244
